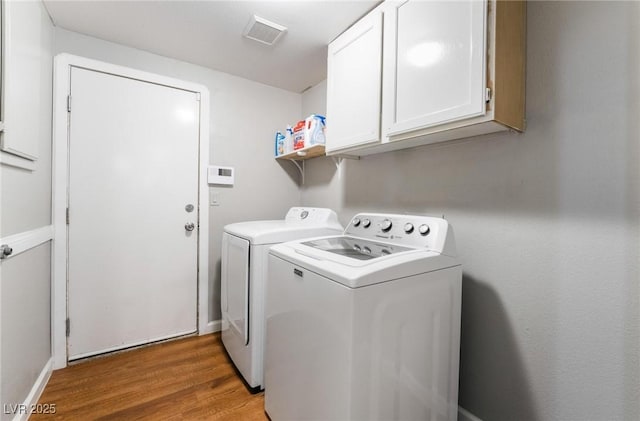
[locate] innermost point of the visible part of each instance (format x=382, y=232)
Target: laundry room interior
x=540, y=218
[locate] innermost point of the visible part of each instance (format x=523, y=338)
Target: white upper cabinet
x=354, y=81
x=447, y=70
x=27, y=89
x=434, y=63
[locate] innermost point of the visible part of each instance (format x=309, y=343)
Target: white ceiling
x=209, y=33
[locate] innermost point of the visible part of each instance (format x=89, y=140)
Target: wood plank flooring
x=186, y=379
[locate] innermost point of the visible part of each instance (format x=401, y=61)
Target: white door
x=434, y=63
x=235, y=284
x=133, y=172
x=354, y=77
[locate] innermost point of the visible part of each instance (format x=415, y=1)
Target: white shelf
x=308, y=152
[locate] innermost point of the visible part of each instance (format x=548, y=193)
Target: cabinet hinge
x=68, y=103
x=68, y=327
x=487, y=96
x=67, y=217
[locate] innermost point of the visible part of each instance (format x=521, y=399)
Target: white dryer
x=244, y=269
x=365, y=325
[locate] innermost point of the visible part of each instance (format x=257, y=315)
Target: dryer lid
x=271, y=232
x=298, y=223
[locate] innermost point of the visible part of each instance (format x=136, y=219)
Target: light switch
x=214, y=198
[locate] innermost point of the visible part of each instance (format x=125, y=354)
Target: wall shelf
x=308, y=152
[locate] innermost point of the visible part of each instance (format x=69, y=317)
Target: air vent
x=263, y=31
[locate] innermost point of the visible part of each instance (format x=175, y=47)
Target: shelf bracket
x=300, y=168
x=337, y=160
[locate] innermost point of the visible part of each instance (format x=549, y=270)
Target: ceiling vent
x=263, y=31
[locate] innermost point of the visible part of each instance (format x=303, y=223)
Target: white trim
x=36, y=391
x=58, y=214
x=214, y=326
x=464, y=415
x=62, y=72
x=27, y=240
x=12, y=160
x=203, y=214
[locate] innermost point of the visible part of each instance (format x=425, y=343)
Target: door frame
x=61, y=88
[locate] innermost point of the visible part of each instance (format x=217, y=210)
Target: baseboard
x=214, y=326
x=23, y=412
x=464, y=415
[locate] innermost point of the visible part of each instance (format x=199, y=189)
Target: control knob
x=386, y=225
x=423, y=229
x=356, y=222
x=408, y=227
x=366, y=223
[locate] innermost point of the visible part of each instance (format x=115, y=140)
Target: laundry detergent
x=299, y=135
x=279, y=143
x=314, y=129
x=309, y=131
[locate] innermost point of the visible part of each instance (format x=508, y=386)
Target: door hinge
x=68, y=103
x=68, y=327
x=67, y=216
x=487, y=96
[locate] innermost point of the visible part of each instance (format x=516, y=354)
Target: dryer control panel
x=406, y=230
x=311, y=216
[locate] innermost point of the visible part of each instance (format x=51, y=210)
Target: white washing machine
x=365, y=325
x=244, y=269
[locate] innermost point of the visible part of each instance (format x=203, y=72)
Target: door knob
x=5, y=251
x=189, y=226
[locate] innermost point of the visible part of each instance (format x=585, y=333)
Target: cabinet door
x=27, y=67
x=434, y=66
x=354, y=81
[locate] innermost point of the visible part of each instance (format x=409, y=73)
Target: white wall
x=26, y=205
x=546, y=223
x=314, y=100
x=244, y=118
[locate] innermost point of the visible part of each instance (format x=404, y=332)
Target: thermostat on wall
x=220, y=175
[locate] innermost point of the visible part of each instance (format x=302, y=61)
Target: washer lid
x=355, y=273
x=355, y=248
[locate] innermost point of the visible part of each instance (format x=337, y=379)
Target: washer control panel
x=409, y=230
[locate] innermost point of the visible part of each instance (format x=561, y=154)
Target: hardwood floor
x=186, y=379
